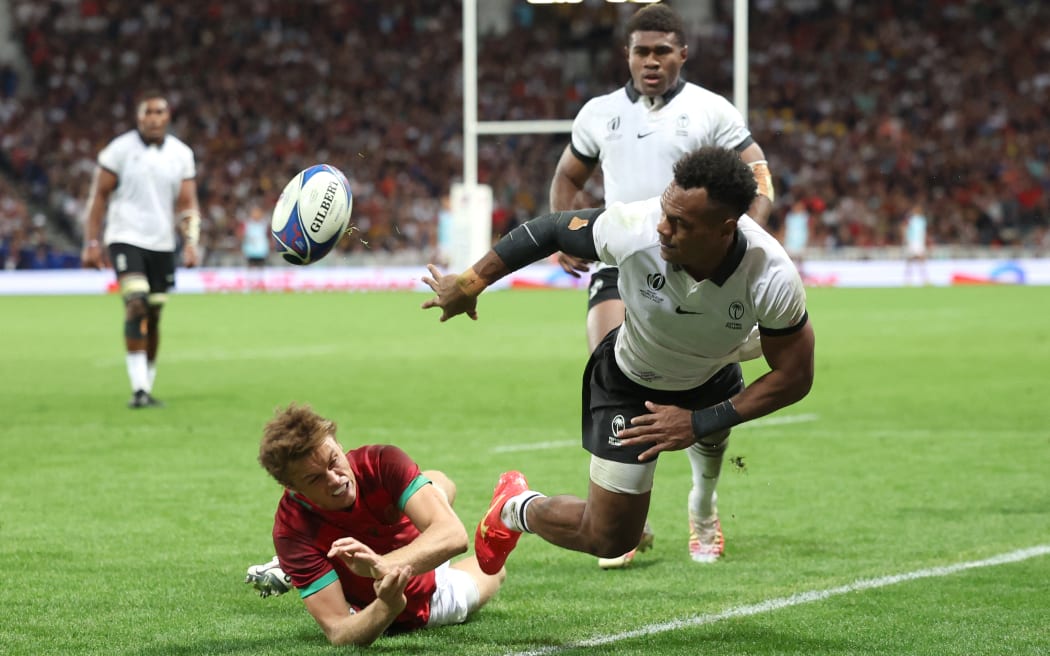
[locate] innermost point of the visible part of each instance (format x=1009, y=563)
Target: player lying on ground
x=364, y=535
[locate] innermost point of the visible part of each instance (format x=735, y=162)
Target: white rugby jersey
x=680, y=332
x=141, y=209
x=638, y=139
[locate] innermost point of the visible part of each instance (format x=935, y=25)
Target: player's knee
x=136, y=316
x=614, y=544
x=714, y=444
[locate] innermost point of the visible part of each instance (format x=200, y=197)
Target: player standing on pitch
x=144, y=186
x=637, y=133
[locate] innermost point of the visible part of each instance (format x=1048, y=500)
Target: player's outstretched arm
x=570, y=232
x=342, y=626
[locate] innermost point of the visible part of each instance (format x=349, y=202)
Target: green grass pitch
x=925, y=443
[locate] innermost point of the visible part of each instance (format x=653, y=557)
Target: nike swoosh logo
x=577, y=223
x=678, y=310
x=643, y=135
x=496, y=503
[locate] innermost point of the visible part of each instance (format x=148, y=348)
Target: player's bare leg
x=606, y=524
x=602, y=319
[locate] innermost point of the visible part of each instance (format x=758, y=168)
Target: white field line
x=560, y=444
x=228, y=355
x=794, y=600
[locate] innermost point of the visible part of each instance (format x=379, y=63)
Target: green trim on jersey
x=320, y=584
x=413, y=487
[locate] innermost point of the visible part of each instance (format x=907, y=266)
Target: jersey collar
x=634, y=95
x=158, y=144
x=732, y=260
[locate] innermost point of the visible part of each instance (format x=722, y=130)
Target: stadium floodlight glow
x=555, y=2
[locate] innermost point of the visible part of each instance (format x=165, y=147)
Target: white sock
x=151, y=372
x=138, y=371
x=706, y=470
x=513, y=512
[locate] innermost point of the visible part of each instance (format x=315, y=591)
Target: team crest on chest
x=682, y=125
x=613, y=128
x=736, y=311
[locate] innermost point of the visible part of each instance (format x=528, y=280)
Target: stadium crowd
x=864, y=110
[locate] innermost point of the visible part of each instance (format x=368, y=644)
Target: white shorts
x=456, y=596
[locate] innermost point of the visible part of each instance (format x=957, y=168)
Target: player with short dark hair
x=701, y=281
x=144, y=186
x=364, y=535
x=637, y=133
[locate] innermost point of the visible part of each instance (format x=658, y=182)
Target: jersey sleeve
x=780, y=303
x=400, y=474
x=730, y=130
x=584, y=138
x=111, y=157
x=304, y=563
x=189, y=165
x=622, y=228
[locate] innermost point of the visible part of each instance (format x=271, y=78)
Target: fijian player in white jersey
x=143, y=190
x=700, y=281
x=637, y=133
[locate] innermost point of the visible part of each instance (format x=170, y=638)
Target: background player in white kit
x=637, y=133
x=700, y=282
x=144, y=187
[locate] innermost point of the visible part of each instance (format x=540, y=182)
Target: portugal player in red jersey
x=364, y=535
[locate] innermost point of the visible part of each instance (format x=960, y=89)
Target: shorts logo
x=597, y=287
x=618, y=424
x=121, y=263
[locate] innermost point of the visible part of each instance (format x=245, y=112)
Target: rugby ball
x=312, y=214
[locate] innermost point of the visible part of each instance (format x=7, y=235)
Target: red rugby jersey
x=303, y=534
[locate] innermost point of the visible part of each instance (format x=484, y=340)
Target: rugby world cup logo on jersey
x=613, y=128
x=736, y=311
x=655, y=282
x=618, y=424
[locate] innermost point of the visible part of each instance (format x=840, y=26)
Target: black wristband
x=714, y=419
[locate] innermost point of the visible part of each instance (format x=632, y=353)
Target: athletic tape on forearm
x=764, y=178
x=714, y=419
x=192, y=231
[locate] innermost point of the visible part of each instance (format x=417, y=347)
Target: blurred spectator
x=255, y=237
x=864, y=105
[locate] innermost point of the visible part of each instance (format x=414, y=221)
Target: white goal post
x=476, y=212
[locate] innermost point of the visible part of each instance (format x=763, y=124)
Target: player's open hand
x=573, y=265
x=450, y=297
x=666, y=428
x=359, y=557
x=190, y=256
x=91, y=257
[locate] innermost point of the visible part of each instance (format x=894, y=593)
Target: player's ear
x=684, y=52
